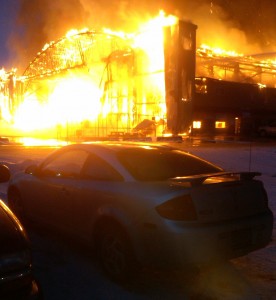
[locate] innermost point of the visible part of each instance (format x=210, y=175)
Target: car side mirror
x=5, y=173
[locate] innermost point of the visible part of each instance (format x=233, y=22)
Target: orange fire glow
x=78, y=99
x=216, y=51
x=95, y=102
x=73, y=100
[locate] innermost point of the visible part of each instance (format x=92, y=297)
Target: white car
x=268, y=129
x=145, y=205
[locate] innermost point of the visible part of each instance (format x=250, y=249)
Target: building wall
x=233, y=108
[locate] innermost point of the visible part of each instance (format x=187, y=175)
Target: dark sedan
x=16, y=275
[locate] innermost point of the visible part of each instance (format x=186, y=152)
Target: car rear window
x=157, y=164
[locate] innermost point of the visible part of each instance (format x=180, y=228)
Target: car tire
x=115, y=253
x=15, y=204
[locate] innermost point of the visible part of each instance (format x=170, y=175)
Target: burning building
x=101, y=83
x=235, y=93
x=97, y=84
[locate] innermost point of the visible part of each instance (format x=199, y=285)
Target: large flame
x=73, y=100
x=151, y=40
x=78, y=99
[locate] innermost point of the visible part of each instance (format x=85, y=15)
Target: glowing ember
x=215, y=51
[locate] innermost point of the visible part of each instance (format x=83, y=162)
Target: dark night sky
x=26, y=25
x=8, y=12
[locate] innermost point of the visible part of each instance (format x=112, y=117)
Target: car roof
x=107, y=150
x=117, y=146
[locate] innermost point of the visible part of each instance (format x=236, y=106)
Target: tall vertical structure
x=180, y=60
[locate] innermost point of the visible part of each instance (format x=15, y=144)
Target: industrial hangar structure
x=197, y=90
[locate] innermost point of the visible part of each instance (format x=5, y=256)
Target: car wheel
x=15, y=204
x=115, y=253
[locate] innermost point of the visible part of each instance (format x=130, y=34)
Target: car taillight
x=178, y=209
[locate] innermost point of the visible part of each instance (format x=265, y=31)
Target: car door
x=58, y=182
x=100, y=184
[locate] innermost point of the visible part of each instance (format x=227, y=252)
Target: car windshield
x=158, y=164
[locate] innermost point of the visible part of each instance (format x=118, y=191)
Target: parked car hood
x=12, y=235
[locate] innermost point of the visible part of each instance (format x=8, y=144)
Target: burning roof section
x=75, y=50
x=87, y=48
x=232, y=66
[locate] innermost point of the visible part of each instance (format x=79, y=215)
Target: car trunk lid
x=224, y=196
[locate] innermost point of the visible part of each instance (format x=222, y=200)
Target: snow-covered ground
x=68, y=271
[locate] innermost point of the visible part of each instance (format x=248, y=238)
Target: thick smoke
x=235, y=25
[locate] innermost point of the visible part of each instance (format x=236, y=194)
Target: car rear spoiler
x=199, y=179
